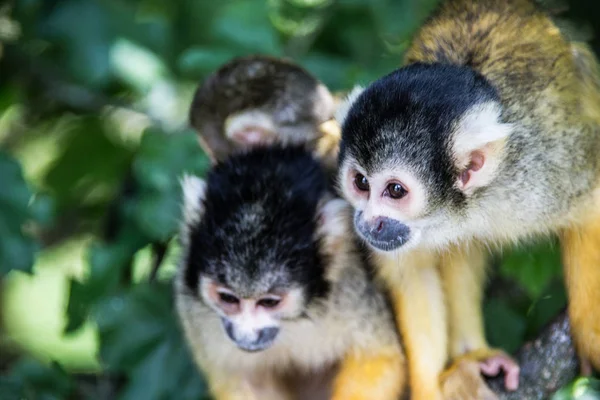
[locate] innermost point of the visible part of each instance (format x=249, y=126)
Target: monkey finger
x=502, y=363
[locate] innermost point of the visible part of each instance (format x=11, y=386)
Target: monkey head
x=259, y=100
x=420, y=147
x=258, y=236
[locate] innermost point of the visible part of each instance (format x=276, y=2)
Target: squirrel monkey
x=490, y=134
x=274, y=287
x=261, y=100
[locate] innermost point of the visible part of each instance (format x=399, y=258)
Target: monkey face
x=387, y=206
x=419, y=149
x=259, y=235
x=252, y=323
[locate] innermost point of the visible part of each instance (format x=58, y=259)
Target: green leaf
x=245, y=25
x=17, y=250
x=533, y=266
x=158, y=215
x=140, y=336
x=107, y=262
x=158, y=167
x=136, y=65
x=581, y=389
x=82, y=28
x=199, y=61
x=545, y=308
x=505, y=328
x=90, y=163
x=31, y=380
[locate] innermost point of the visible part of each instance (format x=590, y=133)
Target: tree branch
x=547, y=364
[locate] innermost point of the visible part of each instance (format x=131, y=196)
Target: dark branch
x=547, y=363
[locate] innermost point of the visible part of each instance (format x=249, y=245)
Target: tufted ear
x=344, y=107
x=478, y=145
x=194, y=191
x=333, y=223
x=250, y=128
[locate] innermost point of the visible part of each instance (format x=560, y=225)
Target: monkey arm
x=418, y=301
x=371, y=374
x=463, y=274
x=581, y=255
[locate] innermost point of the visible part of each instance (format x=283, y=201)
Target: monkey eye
x=361, y=182
x=269, y=302
x=396, y=190
x=228, y=298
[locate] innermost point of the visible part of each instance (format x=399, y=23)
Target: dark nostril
x=267, y=335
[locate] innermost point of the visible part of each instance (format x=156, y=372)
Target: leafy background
x=93, y=133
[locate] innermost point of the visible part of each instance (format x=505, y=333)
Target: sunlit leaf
x=136, y=65
x=581, y=389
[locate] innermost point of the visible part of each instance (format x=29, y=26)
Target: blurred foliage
x=93, y=106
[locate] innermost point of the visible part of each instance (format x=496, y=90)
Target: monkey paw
x=463, y=381
x=497, y=361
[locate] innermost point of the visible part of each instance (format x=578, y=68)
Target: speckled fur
x=546, y=174
x=543, y=82
x=296, y=102
x=258, y=221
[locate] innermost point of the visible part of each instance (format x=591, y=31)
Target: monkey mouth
x=254, y=347
x=387, y=245
x=383, y=241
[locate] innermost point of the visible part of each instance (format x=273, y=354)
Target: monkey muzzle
x=382, y=233
x=256, y=340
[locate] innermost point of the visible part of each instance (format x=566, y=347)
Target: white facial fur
x=346, y=104
x=480, y=131
x=324, y=104
x=478, y=141
x=194, y=190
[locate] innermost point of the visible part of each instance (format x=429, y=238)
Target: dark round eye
x=228, y=298
x=361, y=182
x=396, y=191
x=268, y=302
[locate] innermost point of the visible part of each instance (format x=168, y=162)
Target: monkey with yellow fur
x=489, y=135
x=274, y=290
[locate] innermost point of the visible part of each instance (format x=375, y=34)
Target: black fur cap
x=258, y=229
x=408, y=115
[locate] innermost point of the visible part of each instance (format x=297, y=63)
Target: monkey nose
x=258, y=340
x=263, y=340
x=383, y=233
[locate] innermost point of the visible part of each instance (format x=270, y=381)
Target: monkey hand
x=463, y=379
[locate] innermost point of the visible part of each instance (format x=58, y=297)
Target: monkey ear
x=194, y=191
x=332, y=229
x=478, y=145
x=344, y=107
x=250, y=128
